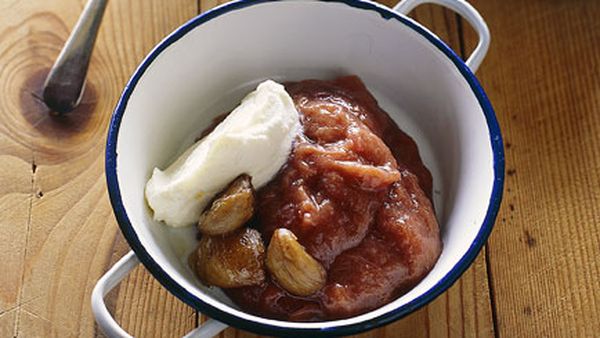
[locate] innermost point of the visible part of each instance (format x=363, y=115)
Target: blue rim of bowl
x=262, y=328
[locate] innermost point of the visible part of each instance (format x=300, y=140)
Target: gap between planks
x=460, y=23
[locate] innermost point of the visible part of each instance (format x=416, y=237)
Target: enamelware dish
x=207, y=65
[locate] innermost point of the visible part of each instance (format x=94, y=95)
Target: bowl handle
x=107, y=323
x=467, y=12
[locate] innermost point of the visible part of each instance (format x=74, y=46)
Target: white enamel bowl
x=206, y=66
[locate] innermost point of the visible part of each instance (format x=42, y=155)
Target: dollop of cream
x=255, y=139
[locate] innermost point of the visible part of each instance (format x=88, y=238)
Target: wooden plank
x=58, y=231
x=15, y=202
x=464, y=310
x=542, y=75
x=16, y=182
x=142, y=306
x=205, y=5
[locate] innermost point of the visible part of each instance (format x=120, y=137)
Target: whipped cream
x=255, y=139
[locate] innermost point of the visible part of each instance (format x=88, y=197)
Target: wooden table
x=538, y=276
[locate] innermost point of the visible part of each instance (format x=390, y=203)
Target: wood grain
x=141, y=305
x=57, y=228
x=542, y=74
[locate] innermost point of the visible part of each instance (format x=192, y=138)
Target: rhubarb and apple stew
x=309, y=201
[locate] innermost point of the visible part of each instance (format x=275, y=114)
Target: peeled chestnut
x=232, y=261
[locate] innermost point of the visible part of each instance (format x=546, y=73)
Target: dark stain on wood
x=48, y=122
x=511, y=172
x=530, y=240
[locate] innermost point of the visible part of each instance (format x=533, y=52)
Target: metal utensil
x=63, y=88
